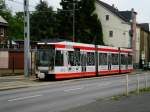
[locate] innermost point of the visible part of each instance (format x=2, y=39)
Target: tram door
x=83, y=61
x=109, y=62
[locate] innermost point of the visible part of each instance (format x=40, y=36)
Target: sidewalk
x=14, y=82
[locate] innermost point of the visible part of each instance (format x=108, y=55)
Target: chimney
x=133, y=38
x=113, y=5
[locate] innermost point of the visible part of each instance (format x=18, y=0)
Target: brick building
x=145, y=43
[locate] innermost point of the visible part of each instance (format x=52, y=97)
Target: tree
x=88, y=28
x=2, y=5
x=65, y=17
x=43, y=22
x=4, y=11
x=15, y=22
x=6, y=14
x=17, y=26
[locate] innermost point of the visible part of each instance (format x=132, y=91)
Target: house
x=3, y=30
x=119, y=27
x=145, y=43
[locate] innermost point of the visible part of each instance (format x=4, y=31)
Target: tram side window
x=59, y=58
x=129, y=59
x=102, y=58
x=90, y=58
x=115, y=60
x=77, y=57
x=123, y=59
x=83, y=59
x=71, y=60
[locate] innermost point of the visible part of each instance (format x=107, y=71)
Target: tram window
x=43, y=58
x=59, y=58
x=115, y=60
x=71, y=58
x=102, y=58
x=109, y=59
x=83, y=59
x=77, y=57
x=90, y=58
x=129, y=59
x=123, y=59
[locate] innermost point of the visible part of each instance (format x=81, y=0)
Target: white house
x=119, y=27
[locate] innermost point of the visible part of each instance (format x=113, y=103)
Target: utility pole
x=26, y=39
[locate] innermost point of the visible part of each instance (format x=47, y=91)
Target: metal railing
x=140, y=82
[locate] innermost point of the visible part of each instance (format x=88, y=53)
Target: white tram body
x=62, y=60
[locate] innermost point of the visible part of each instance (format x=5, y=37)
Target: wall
x=4, y=59
x=144, y=51
x=121, y=29
x=12, y=61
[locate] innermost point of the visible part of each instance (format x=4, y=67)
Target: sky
x=141, y=6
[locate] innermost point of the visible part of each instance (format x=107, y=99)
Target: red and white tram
x=62, y=60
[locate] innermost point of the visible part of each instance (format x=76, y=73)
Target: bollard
x=145, y=81
x=127, y=85
x=13, y=64
x=138, y=84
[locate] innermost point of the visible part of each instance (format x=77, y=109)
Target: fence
x=141, y=82
x=12, y=62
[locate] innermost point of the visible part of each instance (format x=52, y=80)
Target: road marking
x=73, y=89
x=23, y=98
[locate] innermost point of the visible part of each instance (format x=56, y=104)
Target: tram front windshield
x=45, y=57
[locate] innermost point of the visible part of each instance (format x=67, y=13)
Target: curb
x=11, y=88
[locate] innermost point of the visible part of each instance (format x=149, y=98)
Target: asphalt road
x=132, y=103
x=66, y=95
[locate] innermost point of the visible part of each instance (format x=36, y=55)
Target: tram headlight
x=41, y=75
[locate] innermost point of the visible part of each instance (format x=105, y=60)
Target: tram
x=64, y=60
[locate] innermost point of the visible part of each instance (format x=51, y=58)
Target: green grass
x=117, y=98
x=135, y=92
x=145, y=89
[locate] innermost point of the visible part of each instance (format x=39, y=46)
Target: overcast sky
x=141, y=6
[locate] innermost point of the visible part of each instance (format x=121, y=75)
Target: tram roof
x=80, y=44
x=65, y=43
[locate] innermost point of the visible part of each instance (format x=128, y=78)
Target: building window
x=124, y=33
x=110, y=33
x=1, y=32
x=107, y=17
